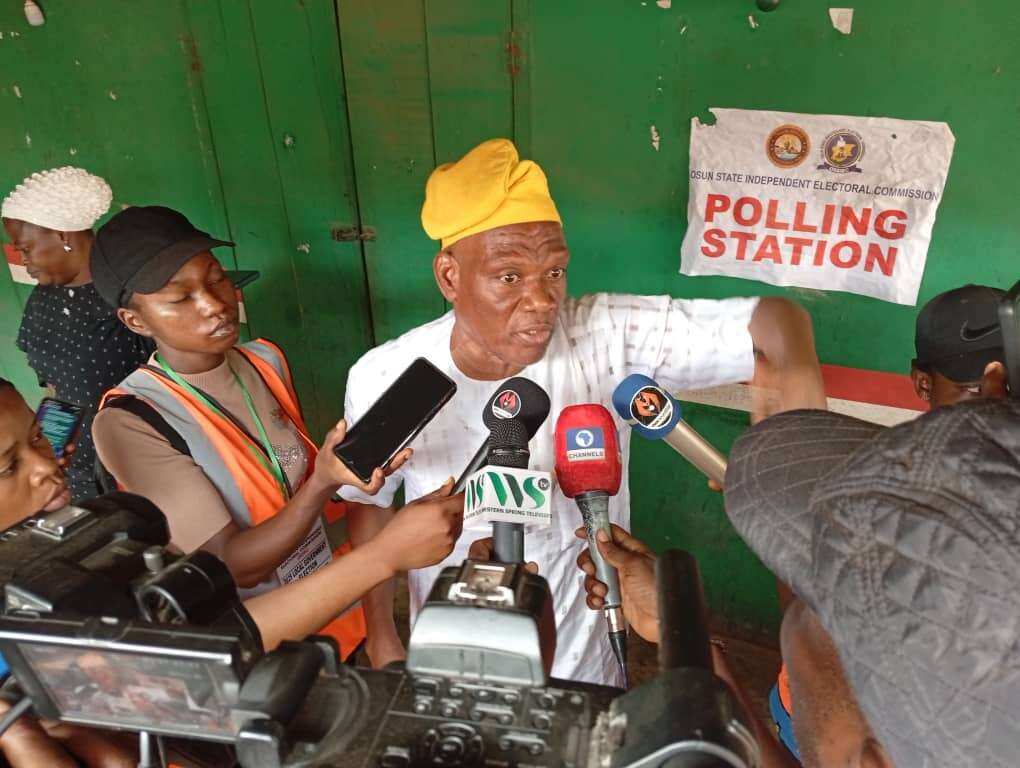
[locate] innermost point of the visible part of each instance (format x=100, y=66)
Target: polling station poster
x=817, y=201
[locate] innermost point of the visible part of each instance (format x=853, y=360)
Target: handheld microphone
x=655, y=414
x=508, y=447
x=506, y=494
x=518, y=398
x=589, y=471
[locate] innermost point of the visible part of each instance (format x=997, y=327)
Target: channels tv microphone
x=589, y=471
x=516, y=398
x=655, y=414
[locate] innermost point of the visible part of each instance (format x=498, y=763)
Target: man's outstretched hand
x=635, y=564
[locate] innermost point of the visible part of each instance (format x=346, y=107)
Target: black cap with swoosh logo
x=958, y=333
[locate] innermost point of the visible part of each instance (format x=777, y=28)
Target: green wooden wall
x=276, y=121
x=234, y=113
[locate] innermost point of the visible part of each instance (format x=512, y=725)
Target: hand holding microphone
x=635, y=564
x=589, y=471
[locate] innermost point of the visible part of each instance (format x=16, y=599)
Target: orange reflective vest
x=249, y=490
x=784, y=690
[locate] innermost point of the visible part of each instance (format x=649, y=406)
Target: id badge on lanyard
x=311, y=554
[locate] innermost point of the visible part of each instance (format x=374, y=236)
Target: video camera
x=102, y=627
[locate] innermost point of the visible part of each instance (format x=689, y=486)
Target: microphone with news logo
x=506, y=494
x=589, y=471
x=655, y=414
x=516, y=398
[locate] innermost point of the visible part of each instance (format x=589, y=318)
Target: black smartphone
x=1009, y=321
x=59, y=422
x=395, y=419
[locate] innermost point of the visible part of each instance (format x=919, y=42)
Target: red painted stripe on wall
x=843, y=383
x=876, y=387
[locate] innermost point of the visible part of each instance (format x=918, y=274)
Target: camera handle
x=683, y=624
x=301, y=687
x=685, y=716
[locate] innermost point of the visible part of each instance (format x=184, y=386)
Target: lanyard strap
x=267, y=456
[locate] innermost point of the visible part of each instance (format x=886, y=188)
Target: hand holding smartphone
x=395, y=419
x=59, y=422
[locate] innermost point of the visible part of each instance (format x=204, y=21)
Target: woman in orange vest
x=210, y=431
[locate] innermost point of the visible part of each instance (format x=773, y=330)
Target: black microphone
x=508, y=447
x=516, y=398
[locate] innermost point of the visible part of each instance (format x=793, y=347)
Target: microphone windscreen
x=646, y=406
x=587, y=450
x=508, y=433
x=518, y=398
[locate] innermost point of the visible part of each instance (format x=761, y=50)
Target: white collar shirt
x=598, y=340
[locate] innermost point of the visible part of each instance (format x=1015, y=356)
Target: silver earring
x=67, y=248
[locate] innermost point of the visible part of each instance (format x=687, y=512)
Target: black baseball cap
x=958, y=333
x=141, y=248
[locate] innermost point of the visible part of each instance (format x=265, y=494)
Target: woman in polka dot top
x=72, y=338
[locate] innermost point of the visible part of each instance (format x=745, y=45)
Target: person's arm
x=145, y=463
x=421, y=534
x=29, y=744
x=252, y=554
x=382, y=644
x=26, y=745
x=635, y=563
x=94, y=747
x=690, y=343
x=787, y=375
x=366, y=517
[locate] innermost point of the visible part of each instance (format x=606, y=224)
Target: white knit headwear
x=62, y=199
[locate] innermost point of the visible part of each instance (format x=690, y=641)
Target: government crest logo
x=841, y=151
x=787, y=146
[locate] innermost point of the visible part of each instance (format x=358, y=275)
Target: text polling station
x=816, y=201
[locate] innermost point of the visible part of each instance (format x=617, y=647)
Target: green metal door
x=233, y=112
x=584, y=87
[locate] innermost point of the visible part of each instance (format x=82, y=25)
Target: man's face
x=30, y=480
x=99, y=672
x=195, y=312
x=939, y=391
x=948, y=392
x=43, y=252
x=829, y=726
x=507, y=286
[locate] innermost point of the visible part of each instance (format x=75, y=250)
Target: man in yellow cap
x=503, y=264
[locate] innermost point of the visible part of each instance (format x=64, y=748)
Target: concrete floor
x=756, y=666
